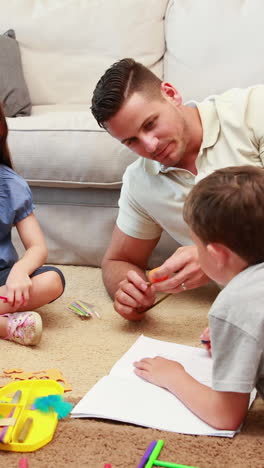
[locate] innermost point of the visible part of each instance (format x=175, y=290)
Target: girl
x=24, y=282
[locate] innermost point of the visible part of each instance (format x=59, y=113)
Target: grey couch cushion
x=13, y=89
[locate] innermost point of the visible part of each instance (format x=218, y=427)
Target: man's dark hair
x=228, y=207
x=117, y=84
x=5, y=157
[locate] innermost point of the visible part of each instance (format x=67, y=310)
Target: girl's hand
x=18, y=286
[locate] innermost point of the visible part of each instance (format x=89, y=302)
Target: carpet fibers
x=85, y=350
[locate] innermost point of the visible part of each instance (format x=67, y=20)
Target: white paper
x=123, y=396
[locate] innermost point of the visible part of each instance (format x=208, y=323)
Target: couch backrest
x=214, y=45
x=66, y=45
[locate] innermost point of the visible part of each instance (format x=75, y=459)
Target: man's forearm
x=115, y=271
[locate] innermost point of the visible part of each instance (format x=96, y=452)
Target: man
x=179, y=144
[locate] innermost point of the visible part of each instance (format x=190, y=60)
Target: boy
x=225, y=212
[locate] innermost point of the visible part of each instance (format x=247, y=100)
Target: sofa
x=75, y=168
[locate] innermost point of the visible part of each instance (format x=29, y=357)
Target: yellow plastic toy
x=26, y=429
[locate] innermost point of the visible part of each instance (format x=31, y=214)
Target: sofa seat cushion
x=62, y=146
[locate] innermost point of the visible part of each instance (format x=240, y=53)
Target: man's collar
x=151, y=167
x=210, y=122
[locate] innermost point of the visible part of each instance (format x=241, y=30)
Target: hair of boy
x=118, y=83
x=227, y=207
x=5, y=157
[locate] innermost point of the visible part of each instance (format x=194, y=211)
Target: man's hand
x=133, y=296
x=184, y=272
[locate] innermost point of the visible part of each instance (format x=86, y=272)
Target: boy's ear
x=219, y=253
x=169, y=92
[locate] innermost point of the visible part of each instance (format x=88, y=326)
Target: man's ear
x=219, y=253
x=169, y=92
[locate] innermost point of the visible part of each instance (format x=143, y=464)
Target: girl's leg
x=25, y=327
x=47, y=285
x=3, y=327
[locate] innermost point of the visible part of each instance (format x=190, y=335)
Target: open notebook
x=123, y=396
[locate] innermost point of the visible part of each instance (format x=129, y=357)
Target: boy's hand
x=206, y=340
x=158, y=370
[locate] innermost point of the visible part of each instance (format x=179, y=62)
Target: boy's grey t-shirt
x=15, y=205
x=236, y=322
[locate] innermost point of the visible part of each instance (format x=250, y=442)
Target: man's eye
x=130, y=142
x=149, y=124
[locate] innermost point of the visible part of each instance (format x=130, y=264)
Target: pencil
x=155, y=454
x=147, y=454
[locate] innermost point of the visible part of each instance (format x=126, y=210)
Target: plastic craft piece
x=51, y=374
x=83, y=309
x=32, y=428
x=156, y=280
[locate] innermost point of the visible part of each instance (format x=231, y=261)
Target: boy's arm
x=222, y=410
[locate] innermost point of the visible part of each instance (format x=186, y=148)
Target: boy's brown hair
x=118, y=83
x=5, y=157
x=228, y=207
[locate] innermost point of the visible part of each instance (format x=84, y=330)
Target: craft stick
x=7, y=421
x=25, y=430
x=154, y=455
x=147, y=454
x=170, y=465
x=15, y=399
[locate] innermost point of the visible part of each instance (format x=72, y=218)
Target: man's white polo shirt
x=152, y=196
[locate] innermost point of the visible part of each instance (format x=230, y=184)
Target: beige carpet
x=84, y=351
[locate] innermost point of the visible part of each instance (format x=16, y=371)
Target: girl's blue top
x=15, y=204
